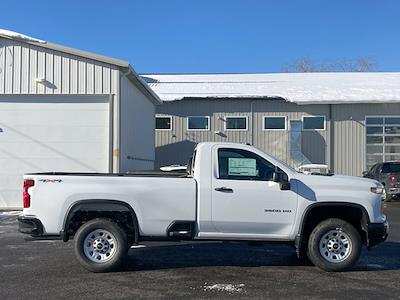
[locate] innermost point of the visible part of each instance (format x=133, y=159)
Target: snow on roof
x=20, y=36
x=300, y=88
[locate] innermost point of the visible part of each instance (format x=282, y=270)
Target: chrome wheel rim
x=100, y=246
x=335, y=246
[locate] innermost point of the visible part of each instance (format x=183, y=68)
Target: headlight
x=377, y=189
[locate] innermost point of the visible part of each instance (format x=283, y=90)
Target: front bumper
x=377, y=233
x=29, y=225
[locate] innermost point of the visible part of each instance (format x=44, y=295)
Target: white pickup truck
x=231, y=192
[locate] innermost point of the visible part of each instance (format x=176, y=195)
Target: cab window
x=238, y=164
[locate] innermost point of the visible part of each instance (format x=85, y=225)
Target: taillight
x=392, y=179
x=27, y=198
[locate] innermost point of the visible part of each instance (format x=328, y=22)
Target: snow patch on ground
x=45, y=241
x=4, y=215
x=138, y=246
x=11, y=266
x=20, y=36
x=375, y=266
x=11, y=213
x=225, y=287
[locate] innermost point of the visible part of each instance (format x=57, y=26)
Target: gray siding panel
x=137, y=128
x=349, y=134
x=176, y=146
x=21, y=64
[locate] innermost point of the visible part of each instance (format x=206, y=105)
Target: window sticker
x=242, y=166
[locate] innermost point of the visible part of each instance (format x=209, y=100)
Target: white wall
x=21, y=63
x=137, y=129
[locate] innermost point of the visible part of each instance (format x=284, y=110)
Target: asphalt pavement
x=46, y=269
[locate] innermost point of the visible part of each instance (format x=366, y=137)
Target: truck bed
x=158, y=198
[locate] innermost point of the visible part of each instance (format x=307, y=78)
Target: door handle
x=224, y=190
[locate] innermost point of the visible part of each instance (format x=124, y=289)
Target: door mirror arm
x=279, y=177
x=284, y=186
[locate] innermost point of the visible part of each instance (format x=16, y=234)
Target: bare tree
x=306, y=65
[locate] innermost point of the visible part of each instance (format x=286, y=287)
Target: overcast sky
x=215, y=36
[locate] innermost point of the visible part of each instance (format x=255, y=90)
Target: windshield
x=284, y=164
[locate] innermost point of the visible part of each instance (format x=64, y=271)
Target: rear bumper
x=377, y=233
x=29, y=225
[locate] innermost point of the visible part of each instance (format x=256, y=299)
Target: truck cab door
x=245, y=199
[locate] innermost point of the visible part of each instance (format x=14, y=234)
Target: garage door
x=50, y=133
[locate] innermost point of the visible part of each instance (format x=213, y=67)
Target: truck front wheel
x=334, y=245
x=101, y=245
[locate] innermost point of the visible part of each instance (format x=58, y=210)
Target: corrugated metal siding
x=349, y=134
x=314, y=143
x=21, y=64
x=137, y=128
x=176, y=146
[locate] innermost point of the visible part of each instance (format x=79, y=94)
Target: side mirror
x=277, y=176
x=280, y=178
x=365, y=174
x=285, y=186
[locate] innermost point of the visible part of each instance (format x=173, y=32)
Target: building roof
x=300, y=88
x=123, y=65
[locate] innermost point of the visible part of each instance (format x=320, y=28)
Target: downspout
x=331, y=139
x=252, y=123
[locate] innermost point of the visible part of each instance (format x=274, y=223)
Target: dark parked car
x=388, y=173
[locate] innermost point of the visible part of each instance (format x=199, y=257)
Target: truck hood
x=334, y=185
x=341, y=180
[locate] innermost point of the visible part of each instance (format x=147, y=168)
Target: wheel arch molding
x=98, y=205
x=365, y=220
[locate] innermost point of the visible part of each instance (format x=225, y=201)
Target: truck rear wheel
x=334, y=245
x=101, y=245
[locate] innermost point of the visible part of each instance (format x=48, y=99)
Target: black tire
x=118, y=248
x=324, y=259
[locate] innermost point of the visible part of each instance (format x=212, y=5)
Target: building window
x=235, y=123
x=382, y=139
x=163, y=123
x=198, y=123
x=314, y=123
x=275, y=123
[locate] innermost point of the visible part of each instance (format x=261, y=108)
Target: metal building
x=63, y=109
x=348, y=121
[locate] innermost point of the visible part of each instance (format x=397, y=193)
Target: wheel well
x=116, y=211
x=355, y=215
